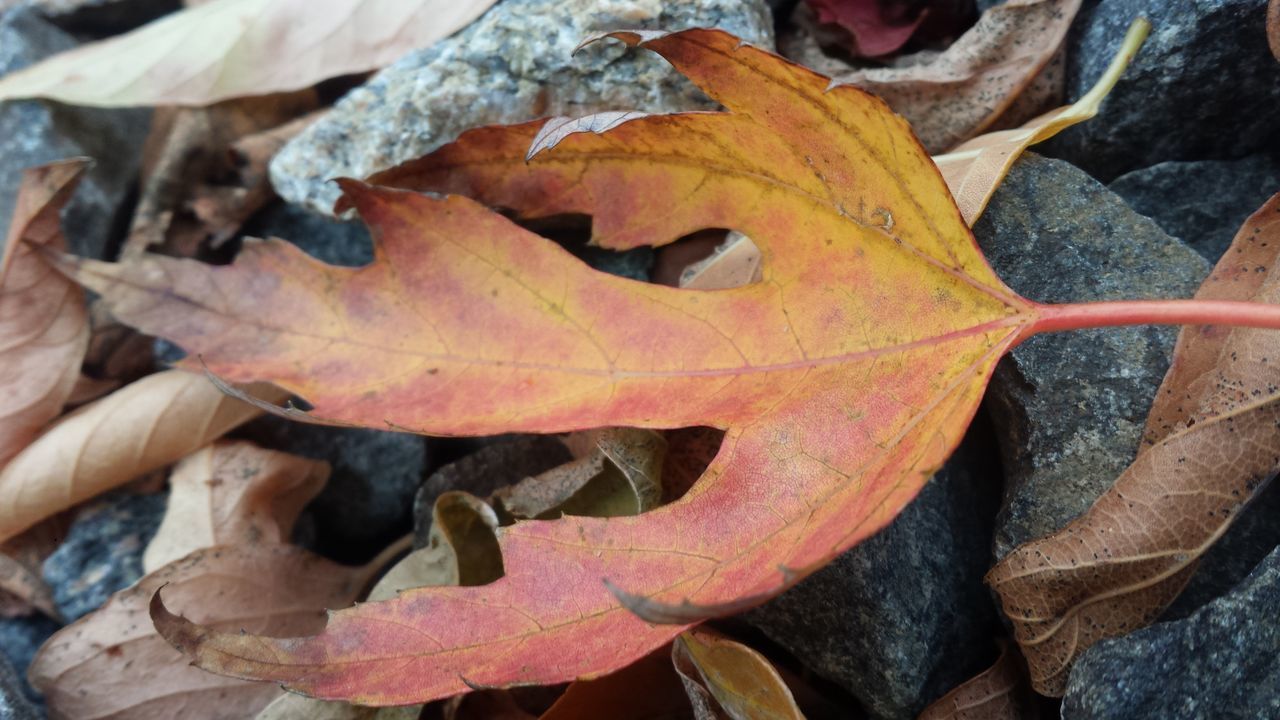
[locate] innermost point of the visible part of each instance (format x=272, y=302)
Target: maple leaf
x=842, y=379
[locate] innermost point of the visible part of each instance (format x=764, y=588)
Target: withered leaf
x=1213, y=438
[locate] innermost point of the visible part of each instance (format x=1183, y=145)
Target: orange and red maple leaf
x=843, y=379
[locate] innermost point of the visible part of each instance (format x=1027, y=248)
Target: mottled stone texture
x=515, y=63
x=903, y=617
x=34, y=132
x=1202, y=203
x=1221, y=663
x=1070, y=407
x=1204, y=86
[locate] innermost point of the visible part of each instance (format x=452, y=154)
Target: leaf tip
x=184, y=635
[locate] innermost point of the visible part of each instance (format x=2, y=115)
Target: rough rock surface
x=13, y=702
x=515, y=63
x=1219, y=663
x=103, y=552
x=368, y=500
x=320, y=236
x=903, y=617
x=1070, y=407
x=1204, y=86
x=1202, y=203
x=20, y=638
x=34, y=132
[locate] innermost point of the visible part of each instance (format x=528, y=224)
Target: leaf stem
x=1054, y=318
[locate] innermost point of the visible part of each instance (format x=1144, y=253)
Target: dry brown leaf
x=44, y=327
x=139, y=428
x=462, y=549
x=1000, y=692
x=960, y=92
x=22, y=586
x=726, y=679
x=621, y=475
x=193, y=166
x=648, y=689
x=974, y=169
x=117, y=353
x=234, y=48
x=1273, y=27
x=233, y=493
x=1215, y=439
x=736, y=262
x=112, y=664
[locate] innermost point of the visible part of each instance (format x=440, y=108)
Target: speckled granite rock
x=1203, y=86
x=1201, y=203
x=1070, y=407
x=103, y=552
x=515, y=63
x=13, y=702
x=903, y=617
x=20, y=638
x=1222, y=663
x=34, y=132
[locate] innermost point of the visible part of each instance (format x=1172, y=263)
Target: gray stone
x=903, y=617
x=504, y=462
x=20, y=638
x=34, y=132
x=320, y=236
x=1203, y=86
x=1223, y=662
x=102, y=553
x=368, y=500
x=515, y=63
x=1070, y=407
x=13, y=702
x=1202, y=203
x=100, y=18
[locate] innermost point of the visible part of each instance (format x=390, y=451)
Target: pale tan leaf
x=1215, y=439
x=139, y=428
x=974, y=169
x=462, y=549
x=233, y=48
x=960, y=92
x=112, y=664
x=1000, y=692
x=44, y=327
x=233, y=493
x=725, y=678
x=736, y=262
x=1273, y=27
x=299, y=707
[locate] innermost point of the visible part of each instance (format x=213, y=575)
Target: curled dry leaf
x=233, y=493
x=462, y=550
x=1000, y=692
x=112, y=663
x=878, y=27
x=22, y=586
x=233, y=48
x=648, y=689
x=1213, y=438
x=621, y=474
x=299, y=707
x=726, y=679
x=1273, y=27
x=974, y=169
x=44, y=326
x=197, y=185
x=960, y=92
x=138, y=428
